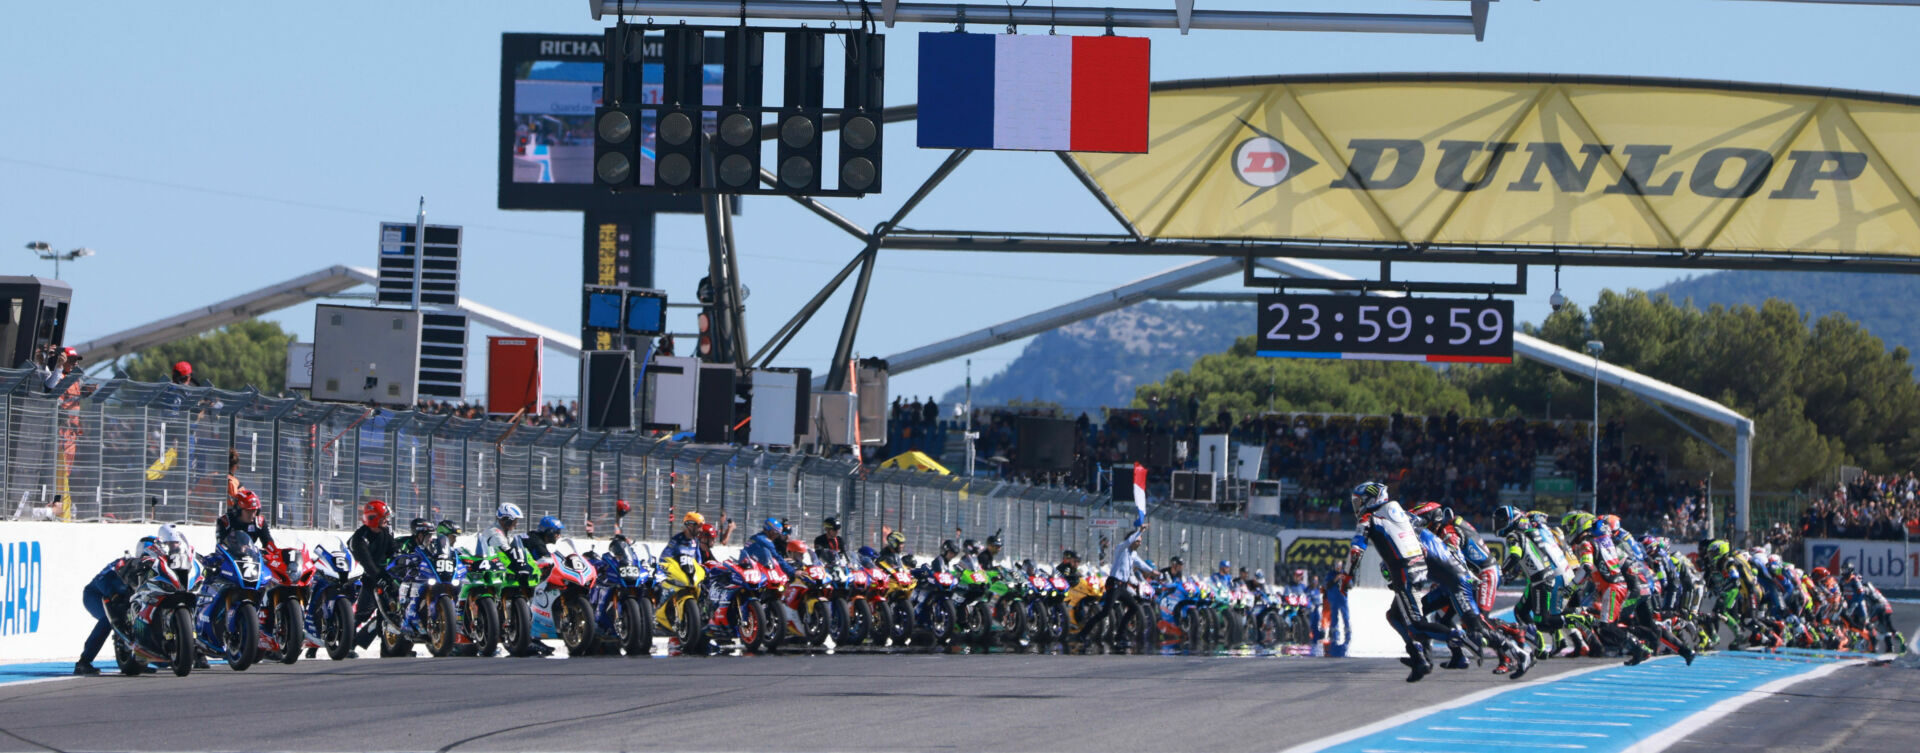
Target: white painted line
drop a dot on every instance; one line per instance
(1556, 709)
(1520, 732)
(1665, 738)
(17, 683)
(1577, 722)
(1410, 716)
(1561, 746)
(1588, 705)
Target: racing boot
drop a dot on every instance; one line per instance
(1640, 654)
(85, 669)
(1505, 665)
(1417, 661)
(1522, 662)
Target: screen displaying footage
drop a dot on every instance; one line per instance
(553, 104)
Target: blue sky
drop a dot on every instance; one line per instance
(211, 148)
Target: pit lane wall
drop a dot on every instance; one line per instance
(46, 564)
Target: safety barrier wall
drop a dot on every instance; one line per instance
(122, 451)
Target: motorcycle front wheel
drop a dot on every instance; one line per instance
(753, 628)
(516, 626)
(181, 642)
(440, 626)
(291, 630)
(902, 623)
(577, 628)
(860, 622)
(337, 633)
(636, 626)
(243, 642)
(941, 622)
(483, 619)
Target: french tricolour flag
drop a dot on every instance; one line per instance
(1052, 93)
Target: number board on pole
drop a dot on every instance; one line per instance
(439, 269)
(1368, 328)
(443, 356)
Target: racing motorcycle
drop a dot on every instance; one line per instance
(806, 606)
(899, 583)
(845, 626)
(622, 598)
(1045, 616)
(335, 586)
(681, 613)
(228, 622)
(1183, 607)
(423, 611)
(934, 617)
(561, 606)
(1082, 604)
(160, 628)
(867, 612)
(283, 622)
(745, 617)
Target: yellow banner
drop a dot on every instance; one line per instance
(1570, 163)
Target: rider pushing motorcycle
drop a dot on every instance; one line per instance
(1383, 523)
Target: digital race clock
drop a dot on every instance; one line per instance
(1372, 328)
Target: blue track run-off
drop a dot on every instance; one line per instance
(1601, 711)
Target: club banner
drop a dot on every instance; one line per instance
(1564, 162)
(1886, 564)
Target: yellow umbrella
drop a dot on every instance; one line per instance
(916, 460)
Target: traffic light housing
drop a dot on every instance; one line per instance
(860, 125)
(800, 131)
(736, 142)
(677, 136)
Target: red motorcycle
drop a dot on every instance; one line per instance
(745, 617)
(807, 605)
(283, 616)
(868, 613)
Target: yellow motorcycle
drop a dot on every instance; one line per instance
(1082, 603)
(682, 613)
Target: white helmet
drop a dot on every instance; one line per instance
(1368, 497)
(508, 511)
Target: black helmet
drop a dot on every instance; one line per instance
(994, 540)
(420, 525)
(1504, 518)
(831, 523)
(948, 547)
(448, 528)
(1069, 554)
(970, 546)
(1176, 562)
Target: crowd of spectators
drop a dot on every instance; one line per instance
(1868, 507)
(549, 414)
(1465, 463)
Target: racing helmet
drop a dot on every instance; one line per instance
(1612, 521)
(830, 524)
(1820, 573)
(772, 526)
(375, 514)
(1718, 550)
(994, 542)
(693, 518)
(447, 528)
(867, 552)
(1505, 517)
(1426, 512)
(550, 525)
(248, 501)
(707, 531)
(508, 513)
(1225, 565)
(420, 526)
(896, 539)
(796, 547)
(1577, 525)
(947, 547)
(1368, 497)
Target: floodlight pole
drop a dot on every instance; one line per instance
(950, 14)
(419, 250)
(1593, 502)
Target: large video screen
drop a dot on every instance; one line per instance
(550, 85)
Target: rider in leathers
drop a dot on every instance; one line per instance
(1384, 524)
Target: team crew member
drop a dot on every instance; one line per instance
(373, 545)
(105, 597)
(829, 538)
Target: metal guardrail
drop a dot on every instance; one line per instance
(125, 451)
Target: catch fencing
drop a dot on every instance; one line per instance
(122, 451)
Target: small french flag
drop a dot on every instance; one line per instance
(1049, 93)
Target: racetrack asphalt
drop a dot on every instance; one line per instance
(844, 702)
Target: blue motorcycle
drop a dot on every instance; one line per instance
(622, 599)
(228, 620)
(423, 611)
(336, 586)
(159, 628)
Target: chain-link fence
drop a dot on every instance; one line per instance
(131, 452)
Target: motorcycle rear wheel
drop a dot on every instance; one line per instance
(291, 629)
(516, 626)
(483, 620)
(902, 624)
(577, 628)
(337, 633)
(636, 626)
(182, 642)
(440, 629)
(243, 643)
(130, 664)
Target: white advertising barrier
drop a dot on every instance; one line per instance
(1885, 564)
(47, 565)
(1367, 603)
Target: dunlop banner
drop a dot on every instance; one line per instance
(1498, 161)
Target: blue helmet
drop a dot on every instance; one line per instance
(771, 526)
(867, 552)
(550, 524)
(1226, 565)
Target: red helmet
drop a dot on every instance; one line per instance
(248, 501)
(375, 514)
(621, 508)
(183, 369)
(707, 531)
(1820, 572)
(1613, 521)
(796, 547)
